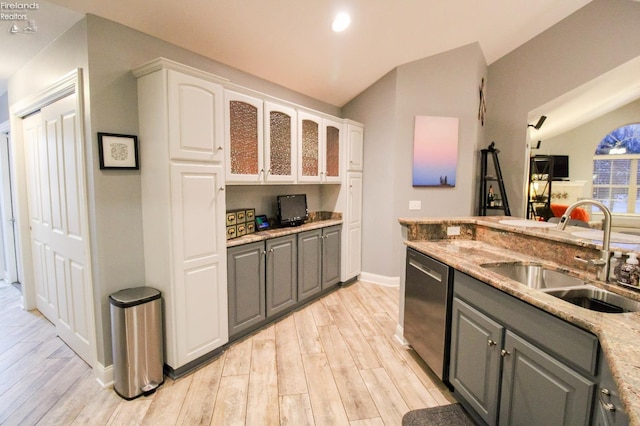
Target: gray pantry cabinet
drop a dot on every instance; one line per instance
(515, 364)
(318, 260)
(262, 281)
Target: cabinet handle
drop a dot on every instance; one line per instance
(222, 188)
(607, 405)
(491, 343)
(220, 148)
(504, 352)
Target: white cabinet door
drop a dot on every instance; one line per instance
(309, 147)
(281, 139)
(355, 147)
(354, 225)
(199, 253)
(330, 158)
(244, 138)
(195, 118)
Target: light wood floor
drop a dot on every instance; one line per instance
(335, 362)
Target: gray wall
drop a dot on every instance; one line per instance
(441, 85)
(107, 52)
(4, 107)
(597, 38)
(580, 143)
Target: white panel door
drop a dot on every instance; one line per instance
(199, 244)
(53, 148)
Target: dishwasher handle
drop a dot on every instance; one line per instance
(428, 271)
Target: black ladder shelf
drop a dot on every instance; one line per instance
(489, 199)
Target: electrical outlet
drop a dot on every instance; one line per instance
(452, 231)
(415, 205)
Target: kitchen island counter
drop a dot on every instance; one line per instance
(468, 243)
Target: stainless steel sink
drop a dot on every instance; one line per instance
(535, 276)
(596, 299)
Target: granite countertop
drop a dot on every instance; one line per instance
(483, 240)
(281, 232)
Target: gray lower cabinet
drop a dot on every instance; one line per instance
(309, 263)
(536, 386)
(608, 410)
(246, 286)
(282, 274)
(331, 239)
(476, 341)
(262, 281)
(318, 260)
(515, 364)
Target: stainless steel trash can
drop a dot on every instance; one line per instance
(136, 337)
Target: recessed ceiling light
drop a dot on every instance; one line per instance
(341, 22)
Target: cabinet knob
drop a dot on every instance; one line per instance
(491, 343)
(505, 352)
(270, 250)
(222, 188)
(220, 148)
(609, 406)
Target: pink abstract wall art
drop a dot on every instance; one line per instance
(435, 151)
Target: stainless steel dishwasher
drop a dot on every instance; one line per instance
(427, 316)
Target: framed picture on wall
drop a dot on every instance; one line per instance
(435, 151)
(118, 151)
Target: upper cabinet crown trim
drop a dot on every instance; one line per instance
(164, 63)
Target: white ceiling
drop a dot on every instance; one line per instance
(17, 49)
(290, 42)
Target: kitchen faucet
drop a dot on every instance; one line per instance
(602, 274)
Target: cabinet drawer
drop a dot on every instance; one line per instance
(571, 344)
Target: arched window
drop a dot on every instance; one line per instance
(616, 176)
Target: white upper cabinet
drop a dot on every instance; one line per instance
(330, 158)
(309, 147)
(195, 118)
(244, 138)
(280, 147)
(320, 141)
(355, 146)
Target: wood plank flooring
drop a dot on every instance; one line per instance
(334, 362)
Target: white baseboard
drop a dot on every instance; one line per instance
(104, 375)
(399, 336)
(380, 279)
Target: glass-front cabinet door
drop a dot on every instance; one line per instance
(309, 135)
(244, 138)
(280, 151)
(331, 149)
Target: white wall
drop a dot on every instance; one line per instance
(597, 38)
(580, 143)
